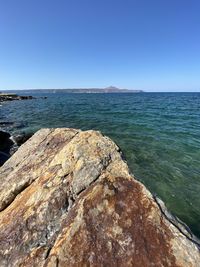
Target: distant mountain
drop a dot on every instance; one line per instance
(113, 89)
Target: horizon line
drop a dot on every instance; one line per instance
(90, 88)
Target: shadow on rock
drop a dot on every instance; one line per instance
(9, 144)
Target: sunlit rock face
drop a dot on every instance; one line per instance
(67, 199)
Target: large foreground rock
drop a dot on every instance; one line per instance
(67, 199)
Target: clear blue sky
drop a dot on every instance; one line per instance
(143, 44)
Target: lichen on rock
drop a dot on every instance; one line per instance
(67, 198)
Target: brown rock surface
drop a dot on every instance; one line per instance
(67, 199)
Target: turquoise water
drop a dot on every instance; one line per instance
(159, 134)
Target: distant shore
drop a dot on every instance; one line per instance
(109, 90)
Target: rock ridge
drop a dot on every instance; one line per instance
(67, 198)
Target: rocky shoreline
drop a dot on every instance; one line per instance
(67, 198)
(8, 143)
(12, 97)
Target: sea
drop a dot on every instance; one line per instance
(159, 134)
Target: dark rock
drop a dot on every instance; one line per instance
(5, 141)
(3, 157)
(9, 144)
(5, 146)
(21, 138)
(25, 97)
(11, 97)
(4, 136)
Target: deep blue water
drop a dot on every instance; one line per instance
(159, 134)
